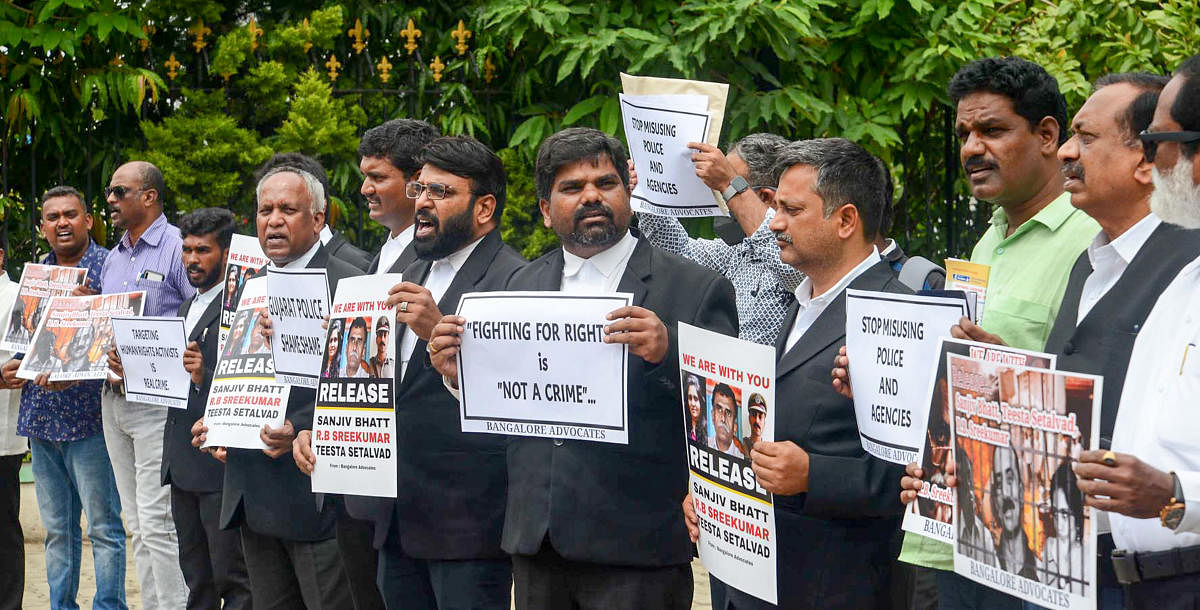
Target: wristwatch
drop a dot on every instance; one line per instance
(1172, 513)
(735, 188)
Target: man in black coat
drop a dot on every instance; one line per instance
(593, 524)
(836, 510)
(440, 539)
(289, 544)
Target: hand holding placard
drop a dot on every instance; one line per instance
(415, 307)
(443, 347)
(641, 330)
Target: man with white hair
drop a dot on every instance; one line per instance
(291, 551)
(1149, 479)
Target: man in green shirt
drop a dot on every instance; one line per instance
(1010, 121)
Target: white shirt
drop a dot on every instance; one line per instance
(1109, 260)
(10, 400)
(600, 273)
(326, 234)
(441, 275)
(200, 304)
(1159, 418)
(811, 307)
(393, 247)
(302, 262)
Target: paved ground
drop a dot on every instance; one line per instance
(37, 595)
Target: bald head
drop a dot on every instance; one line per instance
(134, 196)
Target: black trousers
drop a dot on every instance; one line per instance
(12, 539)
(287, 575)
(1176, 593)
(358, 556)
(551, 582)
(408, 583)
(211, 558)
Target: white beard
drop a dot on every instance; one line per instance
(1176, 199)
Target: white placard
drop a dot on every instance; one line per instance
(354, 425)
(1024, 528)
(658, 135)
(75, 334)
(151, 350)
(535, 364)
(244, 396)
(932, 513)
(892, 343)
(38, 284)
(728, 387)
(297, 301)
(246, 259)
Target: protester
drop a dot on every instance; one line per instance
(71, 467)
(1009, 119)
(210, 558)
(291, 552)
(13, 448)
(147, 257)
(333, 241)
(388, 163)
(1145, 481)
(574, 543)
(745, 175)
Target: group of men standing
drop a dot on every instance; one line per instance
(1087, 259)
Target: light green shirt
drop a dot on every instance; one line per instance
(1029, 273)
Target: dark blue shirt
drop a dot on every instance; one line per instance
(72, 414)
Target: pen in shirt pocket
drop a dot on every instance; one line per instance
(1185, 355)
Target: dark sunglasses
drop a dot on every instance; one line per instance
(1150, 140)
(436, 190)
(119, 191)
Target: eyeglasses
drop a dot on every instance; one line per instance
(1150, 140)
(435, 190)
(119, 191)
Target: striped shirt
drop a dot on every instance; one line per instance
(153, 264)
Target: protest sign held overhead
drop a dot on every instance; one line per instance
(892, 342)
(728, 406)
(932, 514)
(38, 284)
(521, 366)
(244, 396)
(1021, 525)
(354, 427)
(297, 301)
(75, 334)
(151, 351)
(661, 116)
(246, 258)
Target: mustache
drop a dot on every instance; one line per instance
(783, 237)
(1073, 169)
(195, 269)
(426, 215)
(592, 207)
(978, 162)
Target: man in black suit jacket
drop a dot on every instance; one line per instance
(289, 544)
(596, 524)
(388, 162)
(836, 510)
(440, 539)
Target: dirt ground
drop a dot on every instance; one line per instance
(37, 594)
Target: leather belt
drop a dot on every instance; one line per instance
(1138, 567)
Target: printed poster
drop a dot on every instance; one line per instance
(246, 259)
(521, 366)
(1021, 524)
(244, 396)
(728, 406)
(38, 284)
(151, 350)
(72, 341)
(971, 278)
(932, 514)
(892, 343)
(298, 301)
(354, 426)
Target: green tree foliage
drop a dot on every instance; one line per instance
(88, 84)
